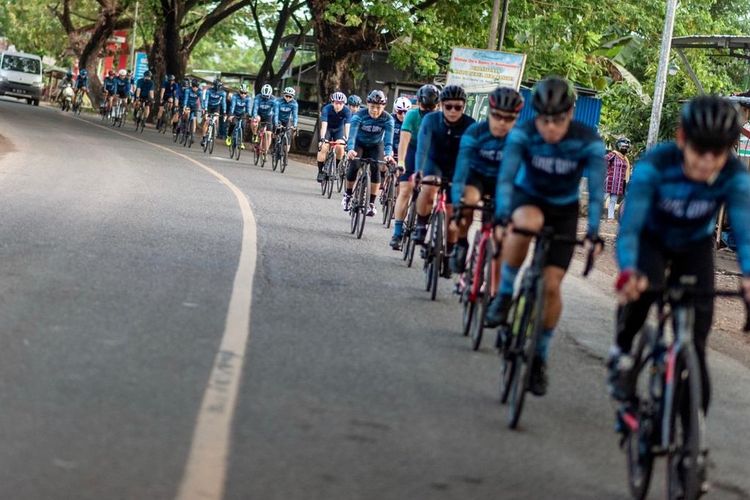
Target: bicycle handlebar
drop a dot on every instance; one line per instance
(678, 293)
(589, 266)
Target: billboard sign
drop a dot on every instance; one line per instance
(478, 70)
(141, 65)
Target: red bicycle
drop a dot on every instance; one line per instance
(478, 282)
(434, 251)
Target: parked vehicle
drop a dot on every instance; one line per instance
(21, 76)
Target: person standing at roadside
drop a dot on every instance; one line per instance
(618, 171)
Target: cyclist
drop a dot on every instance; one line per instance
(131, 85)
(400, 108)
(427, 100)
(169, 94)
(263, 110)
(214, 101)
(191, 102)
(437, 149)
(122, 87)
(479, 159)
(673, 200)
(543, 162)
(354, 103)
(110, 89)
(241, 105)
(82, 84)
(335, 119)
(67, 81)
(286, 111)
(371, 137)
(144, 94)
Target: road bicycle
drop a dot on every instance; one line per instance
(360, 201)
(140, 120)
(238, 134)
(475, 285)
(434, 251)
(407, 244)
(280, 154)
(521, 335)
(330, 170)
(388, 191)
(210, 139)
(663, 415)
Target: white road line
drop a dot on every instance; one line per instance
(205, 473)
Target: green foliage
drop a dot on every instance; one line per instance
(30, 26)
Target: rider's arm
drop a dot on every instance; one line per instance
(323, 122)
(233, 104)
(388, 137)
(255, 106)
(597, 173)
(161, 94)
(738, 208)
(467, 150)
(276, 105)
(640, 198)
(347, 127)
(423, 144)
(224, 103)
(403, 146)
(509, 165)
(295, 110)
(356, 120)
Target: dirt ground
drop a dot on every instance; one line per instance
(729, 315)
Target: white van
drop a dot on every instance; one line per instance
(21, 76)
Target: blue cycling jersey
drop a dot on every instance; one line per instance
(171, 90)
(145, 85)
(240, 106)
(82, 82)
(336, 121)
(110, 85)
(191, 99)
(667, 206)
(480, 152)
(396, 134)
(285, 111)
(215, 98)
(437, 147)
(264, 107)
(122, 85)
(368, 131)
(552, 172)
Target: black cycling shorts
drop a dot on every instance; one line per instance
(563, 219)
(409, 161)
(372, 151)
(166, 100)
(146, 100)
(487, 186)
(124, 94)
(335, 135)
(213, 109)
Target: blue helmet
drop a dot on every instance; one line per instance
(354, 100)
(84, 72)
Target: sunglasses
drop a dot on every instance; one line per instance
(287, 96)
(554, 119)
(509, 118)
(400, 112)
(453, 107)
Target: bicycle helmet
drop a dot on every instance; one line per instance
(402, 104)
(710, 123)
(377, 97)
(553, 96)
(147, 74)
(243, 89)
(122, 72)
(354, 100)
(428, 95)
(338, 97)
(506, 99)
(69, 74)
(217, 84)
(453, 93)
(84, 72)
(266, 90)
(290, 91)
(193, 82)
(170, 78)
(110, 73)
(623, 144)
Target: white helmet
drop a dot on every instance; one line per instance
(402, 104)
(289, 91)
(338, 97)
(266, 90)
(122, 72)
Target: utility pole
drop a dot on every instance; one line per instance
(503, 23)
(132, 43)
(492, 43)
(661, 75)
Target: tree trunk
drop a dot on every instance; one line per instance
(103, 29)
(174, 61)
(156, 56)
(334, 72)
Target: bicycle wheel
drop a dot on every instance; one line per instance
(256, 154)
(275, 156)
(484, 265)
(211, 142)
(438, 251)
(237, 151)
(263, 159)
(529, 337)
(469, 306)
(329, 180)
(384, 198)
(340, 173)
(353, 210)
(511, 355)
(327, 177)
(364, 195)
(685, 460)
(391, 206)
(285, 155)
(176, 134)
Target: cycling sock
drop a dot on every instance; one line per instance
(349, 192)
(508, 279)
(398, 228)
(320, 166)
(372, 198)
(542, 346)
(422, 219)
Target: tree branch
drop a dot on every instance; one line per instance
(254, 10)
(222, 11)
(424, 4)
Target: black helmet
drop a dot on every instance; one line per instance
(428, 95)
(506, 99)
(453, 93)
(623, 143)
(377, 97)
(193, 82)
(553, 96)
(354, 100)
(147, 74)
(217, 84)
(710, 123)
(170, 77)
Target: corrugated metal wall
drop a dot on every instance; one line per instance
(588, 109)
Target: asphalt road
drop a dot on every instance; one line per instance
(117, 261)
